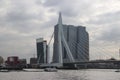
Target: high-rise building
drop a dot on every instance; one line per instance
(41, 51)
(77, 40)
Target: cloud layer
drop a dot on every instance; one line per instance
(21, 22)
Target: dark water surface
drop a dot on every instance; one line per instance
(90, 74)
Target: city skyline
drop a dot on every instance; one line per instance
(21, 22)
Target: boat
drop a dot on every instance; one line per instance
(118, 70)
(4, 70)
(50, 69)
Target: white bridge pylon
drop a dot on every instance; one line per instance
(62, 41)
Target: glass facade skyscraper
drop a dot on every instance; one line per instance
(41, 50)
(78, 41)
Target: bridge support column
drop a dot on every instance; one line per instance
(61, 39)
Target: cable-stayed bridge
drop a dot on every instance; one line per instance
(65, 54)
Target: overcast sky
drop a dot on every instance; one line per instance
(22, 21)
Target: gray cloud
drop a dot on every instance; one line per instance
(108, 18)
(111, 34)
(69, 8)
(19, 28)
(21, 22)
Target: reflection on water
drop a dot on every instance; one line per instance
(91, 74)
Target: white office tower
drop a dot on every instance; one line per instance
(75, 45)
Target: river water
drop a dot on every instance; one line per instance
(89, 74)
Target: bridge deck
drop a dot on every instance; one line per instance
(110, 61)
